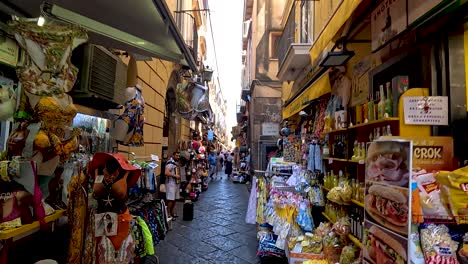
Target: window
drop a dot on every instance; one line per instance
(274, 44)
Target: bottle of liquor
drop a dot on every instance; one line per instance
(355, 151)
(326, 148)
(381, 104)
(389, 101)
(389, 131)
(362, 151)
(370, 108)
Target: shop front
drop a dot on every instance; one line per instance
(79, 111)
(373, 165)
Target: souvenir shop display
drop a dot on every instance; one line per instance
(59, 162)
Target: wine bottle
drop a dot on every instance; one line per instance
(370, 108)
(389, 101)
(381, 104)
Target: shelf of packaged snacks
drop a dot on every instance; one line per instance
(358, 203)
(328, 218)
(385, 120)
(355, 240)
(10, 233)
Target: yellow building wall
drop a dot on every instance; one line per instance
(323, 11)
(153, 76)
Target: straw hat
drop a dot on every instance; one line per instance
(100, 159)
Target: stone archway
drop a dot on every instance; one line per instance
(170, 126)
(171, 132)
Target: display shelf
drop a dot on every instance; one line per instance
(442, 219)
(362, 162)
(336, 159)
(328, 218)
(385, 120)
(358, 203)
(10, 233)
(336, 131)
(355, 240)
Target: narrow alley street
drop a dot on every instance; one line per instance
(218, 232)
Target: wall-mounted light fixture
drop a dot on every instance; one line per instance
(337, 58)
(207, 74)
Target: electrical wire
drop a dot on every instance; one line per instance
(214, 45)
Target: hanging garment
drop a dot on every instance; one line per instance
(47, 68)
(250, 216)
(134, 117)
(123, 229)
(107, 254)
(89, 247)
(318, 158)
(147, 237)
(311, 158)
(137, 233)
(76, 212)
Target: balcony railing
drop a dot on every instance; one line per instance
(287, 37)
(188, 29)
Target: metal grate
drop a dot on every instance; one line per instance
(102, 74)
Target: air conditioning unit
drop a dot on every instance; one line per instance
(102, 78)
(245, 29)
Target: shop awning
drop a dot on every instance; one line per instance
(339, 18)
(314, 91)
(143, 27)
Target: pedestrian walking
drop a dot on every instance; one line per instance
(229, 160)
(172, 182)
(212, 164)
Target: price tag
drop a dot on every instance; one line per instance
(361, 161)
(330, 161)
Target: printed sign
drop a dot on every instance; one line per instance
(431, 153)
(165, 141)
(418, 8)
(426, 110)
(270, 129)
(387, 21)
(9, 51)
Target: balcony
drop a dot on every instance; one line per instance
(294, 56)
(188, 29)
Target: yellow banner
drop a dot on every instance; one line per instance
(314, 91)
(342, 14)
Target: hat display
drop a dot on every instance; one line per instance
(100, 159)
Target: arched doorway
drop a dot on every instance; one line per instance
(169, 127)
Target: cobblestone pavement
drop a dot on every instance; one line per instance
(218, 232)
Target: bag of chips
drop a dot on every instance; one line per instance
(454, 189)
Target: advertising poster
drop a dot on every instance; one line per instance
(382, 247)
(387, 201)
(387, 21)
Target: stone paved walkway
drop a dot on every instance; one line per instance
(218, 232)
